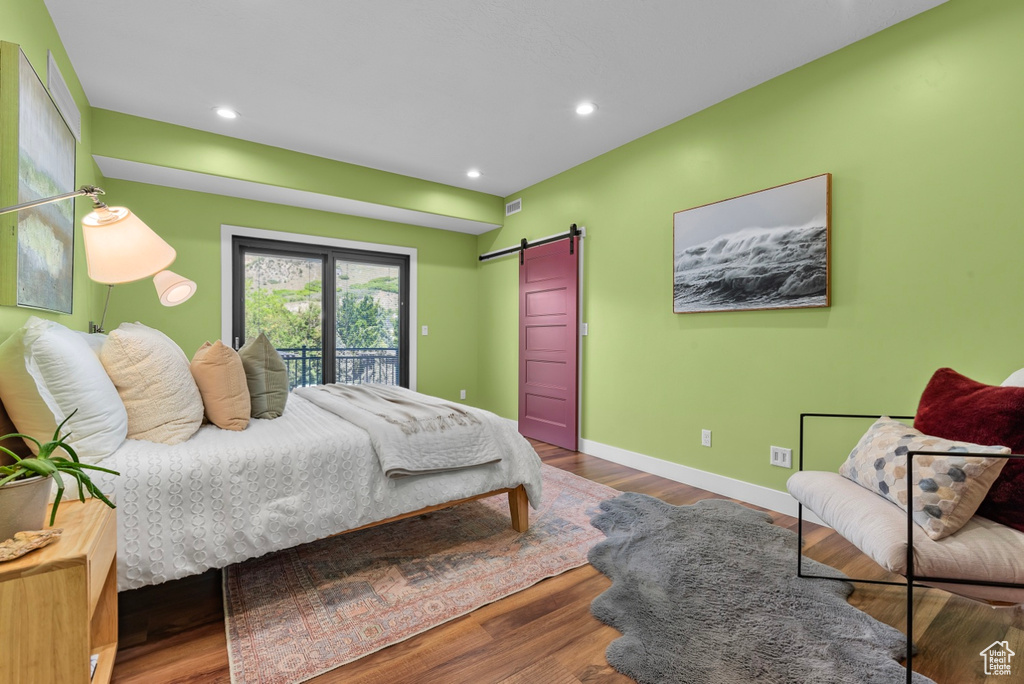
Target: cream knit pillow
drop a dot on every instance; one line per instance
(152, 375)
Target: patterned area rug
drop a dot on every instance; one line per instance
(300, 612)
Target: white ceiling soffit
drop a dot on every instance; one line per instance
(431, 89)
(232, 187)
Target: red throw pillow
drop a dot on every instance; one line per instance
(956, 407)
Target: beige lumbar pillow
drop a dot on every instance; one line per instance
(266, 376)
(152, 376)
(220, 376)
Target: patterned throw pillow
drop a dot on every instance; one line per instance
(947, 489)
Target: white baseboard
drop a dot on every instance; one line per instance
(757, 495)
(765, 497)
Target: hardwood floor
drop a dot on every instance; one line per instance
(545, 634)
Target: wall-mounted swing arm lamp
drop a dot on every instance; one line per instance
(120, 248)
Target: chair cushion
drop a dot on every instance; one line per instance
(947, 488)
(980, 550)
(956, 407)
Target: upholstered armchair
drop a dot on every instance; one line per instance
(981, 559)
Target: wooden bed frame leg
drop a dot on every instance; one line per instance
(519, 507)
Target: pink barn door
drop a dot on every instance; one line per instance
(548, 343)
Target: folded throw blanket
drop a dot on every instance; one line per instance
(412, 433)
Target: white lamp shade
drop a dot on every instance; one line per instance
(120, 248)
(173, 289)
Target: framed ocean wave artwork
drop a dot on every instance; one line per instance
(37, 159)
(768, 249)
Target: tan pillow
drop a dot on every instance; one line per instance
(217, 370)
(947, 489)
(266, 376)
(152, 376)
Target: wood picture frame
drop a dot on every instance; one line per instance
(769, 249)
(37, 159)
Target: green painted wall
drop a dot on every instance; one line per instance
(27, 23)
(920, 126)
(447, 300)
(153, 142)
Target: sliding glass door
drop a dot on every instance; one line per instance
(368, 323)
(282, 296)
(334, 315)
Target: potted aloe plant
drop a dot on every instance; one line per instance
(25, 483)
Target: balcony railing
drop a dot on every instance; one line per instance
(352, 365)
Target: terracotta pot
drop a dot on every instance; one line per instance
(23, 505)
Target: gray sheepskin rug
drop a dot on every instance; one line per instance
(708, 594)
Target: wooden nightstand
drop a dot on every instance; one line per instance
(58, 605)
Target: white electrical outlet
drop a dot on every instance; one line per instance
(424, 330)
(781, 457)
(462, 394)
(705, 438)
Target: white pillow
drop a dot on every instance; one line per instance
(48, 372)
(152, 376)
(94, 340)
(1016, 379)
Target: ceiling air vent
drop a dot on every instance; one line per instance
(514, 207)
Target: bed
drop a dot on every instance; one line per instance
(223, 497)
(218, 496)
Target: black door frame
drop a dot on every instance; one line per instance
(328, 256)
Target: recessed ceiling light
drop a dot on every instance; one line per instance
(473, 173)
(586, 108)
(226, 112)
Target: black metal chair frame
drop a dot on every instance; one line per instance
(912, 579)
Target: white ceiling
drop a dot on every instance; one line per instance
(431, 89)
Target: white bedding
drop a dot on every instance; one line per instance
(223, 497)
(411, 433)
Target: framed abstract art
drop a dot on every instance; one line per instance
(37, 159)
